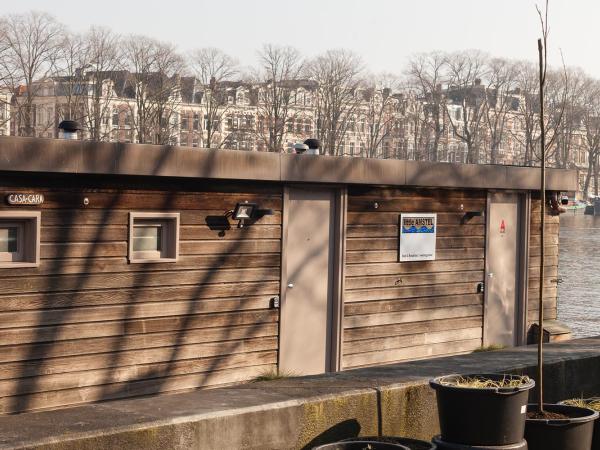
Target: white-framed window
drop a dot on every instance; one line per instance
(19, 239)
(153, 237)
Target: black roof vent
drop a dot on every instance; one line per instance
(313, 143)
(69, 126)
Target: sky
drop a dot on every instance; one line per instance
(383, 32)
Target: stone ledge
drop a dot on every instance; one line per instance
(293, 413)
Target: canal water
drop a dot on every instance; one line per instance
(579, 269)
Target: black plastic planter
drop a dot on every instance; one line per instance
(361, 445)
(441, 445)
(574, 433)
(481, 416)
(596, 438)
(411, 444)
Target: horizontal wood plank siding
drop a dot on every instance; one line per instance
(550, 263)
(88, 326)
(402, 311)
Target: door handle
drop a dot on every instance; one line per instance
(290, 285)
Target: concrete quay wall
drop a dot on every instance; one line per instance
(295, 413)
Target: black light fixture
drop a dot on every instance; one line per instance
(469, 215)
(243, 212)
(249, 211)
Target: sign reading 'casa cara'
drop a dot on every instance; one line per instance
(25, 198)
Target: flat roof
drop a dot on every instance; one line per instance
(38, 155)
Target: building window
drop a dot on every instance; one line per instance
(19, 239)
(153, 237)
(196, 121)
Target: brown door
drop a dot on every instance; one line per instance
(306, 304)
(502, 282)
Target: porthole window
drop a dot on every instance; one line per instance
(153, 237)
(19, 239)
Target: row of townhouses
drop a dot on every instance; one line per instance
(467, 126)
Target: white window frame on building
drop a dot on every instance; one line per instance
(25, 226)
(164, 245)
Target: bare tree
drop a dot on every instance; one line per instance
(212, 67)
(69, 83)
(569, 127)
(466, 90)
(379, 110)
(501, 102)
(31, 43)
(529, 111)
(154, 67)
(426, 75)
(414, 132)
(6, 76)
(590, 108)
(140, 56)
(103, 78)
(337, 74)
(166, 94)
(278, 74)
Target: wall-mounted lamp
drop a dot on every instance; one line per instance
(249, 212)
(244, 211)
(375, 205)
(469, 215)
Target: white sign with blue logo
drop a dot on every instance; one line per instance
(417, 237)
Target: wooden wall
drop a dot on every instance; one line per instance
(551, 264)
(412, 310)
(87, 326)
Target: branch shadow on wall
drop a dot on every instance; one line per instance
(217, 333)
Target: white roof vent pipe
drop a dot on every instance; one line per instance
(300, 148)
